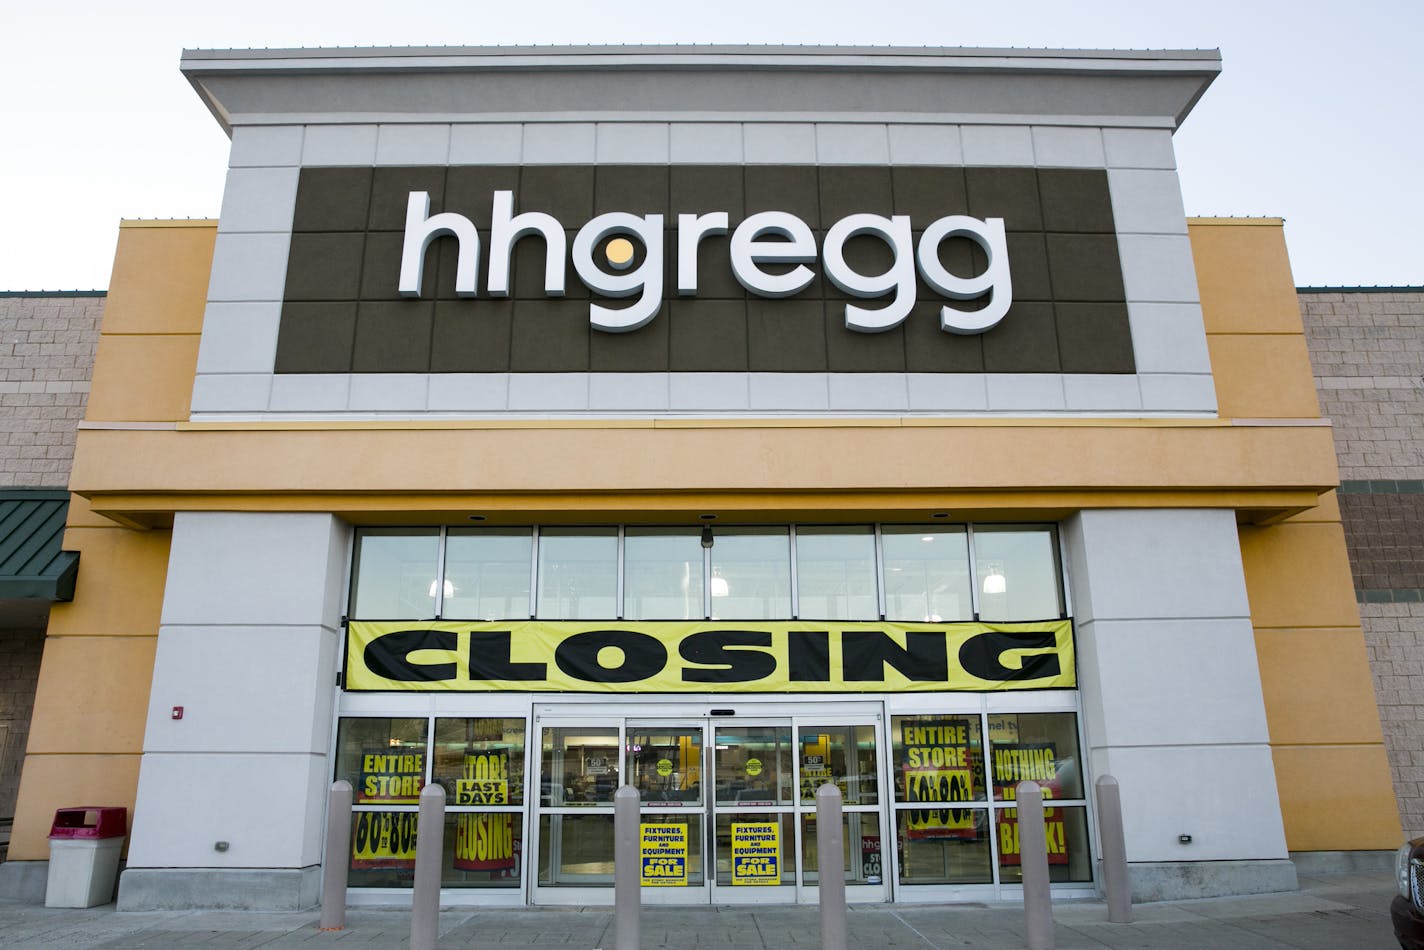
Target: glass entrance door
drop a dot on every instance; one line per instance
(667, 761)
(754, 811)
(728, 806)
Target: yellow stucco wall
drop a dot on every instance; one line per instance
(1331, 771)
(91, 701)
(93, 693)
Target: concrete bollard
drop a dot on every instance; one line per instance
(830, 847)
(1116, 888)
(337, 862)
(627, 877)
(429, 848)
(1033, 861)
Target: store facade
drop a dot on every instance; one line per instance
(722, 422)
(724, 719)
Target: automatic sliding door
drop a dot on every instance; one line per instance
(578, 776)
(728, 807)
(754, 770)
(845, 756)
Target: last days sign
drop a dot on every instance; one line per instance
(708, 656)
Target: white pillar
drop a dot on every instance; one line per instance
(1172, 701)
(248, 648)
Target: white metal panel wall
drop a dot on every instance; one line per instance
(1171, 688)
(248, 647)
(235, 378)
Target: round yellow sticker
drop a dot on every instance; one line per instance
(753, 766)
(664, 767)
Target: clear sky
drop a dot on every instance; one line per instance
(1316, 116)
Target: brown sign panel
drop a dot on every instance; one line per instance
(341, 312)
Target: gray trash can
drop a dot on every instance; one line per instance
(84, 846)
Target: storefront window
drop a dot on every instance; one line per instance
(835, 573)
(383, 848)
(1066, 835)
(487, 573)
(926, 573)
(480, 761)
(1017, 573)
(958, 854)
(1037, 747)
(396, 573)
(922, 573)
(662, 574)
(482, 849)
(383, 759)
(843, 756)
(751, 574)
(578, 573)
(938, 760)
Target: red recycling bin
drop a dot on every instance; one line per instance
(89, 822)
(84, 846)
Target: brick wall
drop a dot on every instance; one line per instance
(47, 344)
(47, 347)
(1368, 352)
(19, 671)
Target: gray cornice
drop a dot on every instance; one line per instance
(1138, 87)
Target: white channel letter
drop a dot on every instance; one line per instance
(900, 277)
(646, 279)
(691, 229)
(420, 229)
(506, 227)
(989, 235)
(798, 246)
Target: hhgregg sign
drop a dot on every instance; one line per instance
(680, 269)
(770, 254)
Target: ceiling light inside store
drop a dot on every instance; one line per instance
(994, 581)
(720, 587)
(449, 588)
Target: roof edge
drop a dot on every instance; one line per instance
(690, 51)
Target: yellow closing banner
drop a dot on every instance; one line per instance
(797, 656)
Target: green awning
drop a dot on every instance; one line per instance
(32, 566)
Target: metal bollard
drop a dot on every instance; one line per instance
(830, 848)
(429, 848)
(1115, 885)
(337, 863)
(627, 879)
(1033, 861)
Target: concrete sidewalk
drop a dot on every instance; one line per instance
(1334, 912)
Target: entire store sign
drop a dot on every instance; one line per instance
(387, 839)
(708, 656)
(775, 238)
